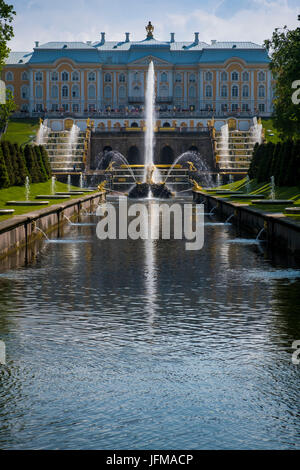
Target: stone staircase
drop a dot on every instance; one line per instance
(63, 156)
(234, 151)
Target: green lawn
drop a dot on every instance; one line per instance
(271, 134)
(17, 193)
(21, 131)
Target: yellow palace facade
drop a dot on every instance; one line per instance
(107, 79)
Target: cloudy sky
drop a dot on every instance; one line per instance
(68, 20)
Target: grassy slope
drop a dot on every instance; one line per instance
(21, 131)
(17, 193)
(269, 130)
(284, 192)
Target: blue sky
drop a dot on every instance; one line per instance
(48, 20)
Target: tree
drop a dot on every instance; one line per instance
(6, 30)
(8, 162)
(284, 48)
(31, 164)
(7, 109)
(22, 170)
(45, 158)
(39, 158)
(4, 180)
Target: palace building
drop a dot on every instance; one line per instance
(108, 78)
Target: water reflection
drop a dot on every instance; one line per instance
(141, 344)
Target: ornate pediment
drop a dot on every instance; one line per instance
(146, 61)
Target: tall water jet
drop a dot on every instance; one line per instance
(42, 134)
(53, 181)
(224, 151)
(27, 189)
(81, 181)
(69, 183)
(273, 191)
(256, 132)
(73, 137)
(150, 121)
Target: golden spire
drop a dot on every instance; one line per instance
(150, 29)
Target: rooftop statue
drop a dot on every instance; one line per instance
(150, 29)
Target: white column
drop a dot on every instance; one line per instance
(252, 91)
(217, 90)
(115, 89)
(31, 91)
(47, 90)
(185, 85)
(99, 88)
(200, 89)
(171, 82)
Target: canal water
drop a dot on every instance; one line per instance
(144, 345)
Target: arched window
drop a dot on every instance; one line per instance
(65, 91)
(235, 91)
(164, 91)
(234, 76)
(208, 76)
(224, 76)
(24, 76)
(75, 76)
(54, 76)
(208, 91)
(39, 76)
(122, 92)
(24, 92)
(75, 91)
(136, 91)
(164, 77)
(122, 78)
(192, 78)
(65, 76)
(245, 91)
(91, 77)
(192, 92)
(178, 92)
(39, 92)
(178, 78)
(54, 91)
(261, 91)
(245, 76)
(224, 91)
(10, 88)
(107, 92)
(261, 76)
(107, 77)
(91, 92)
(136, 76)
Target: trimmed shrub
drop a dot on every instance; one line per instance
(4, 179)
(39, 159)
(46, 161)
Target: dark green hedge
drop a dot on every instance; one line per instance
(281, 160)
(16, 163)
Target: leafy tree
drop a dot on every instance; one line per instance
(4, 179)
(284, 49)
(6, 30)
(7, 108)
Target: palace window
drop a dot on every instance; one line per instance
(107, 92)
(92, 108)
(208, 76)
(122, 78)
(65, 107)
(261, 76)
(92, 77)
(107, 77)
(235, 91)
(65, 91)
(24, 107)
(224, 107)
(224, 76)
(245, 107)
(192, 92)
(224, 91)
(245, 76)
(39, 108)
(122, 92)
(54, 107)
(54, 76)
(39, 76)
(164, 91)
(234, 76)
(65, 76)
(261, 107)
(234, 107)
(24, 92)
(208, 91)
(164, 77)
(39, 92)
(91, 92)
(136, 76)
(54, 91)
(24, 76)
(75, 91)
(75, 108)
(245, 92)
(192, 78)
(261, 91)
(178, 92)
(178, 78)
(75, 76)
